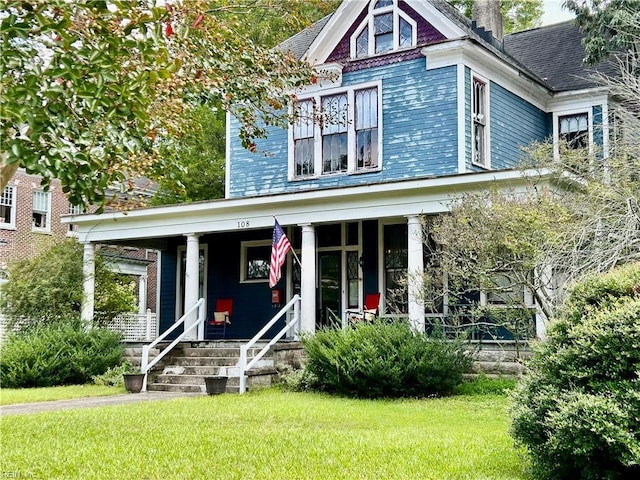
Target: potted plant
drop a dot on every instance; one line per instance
(133, 381)
(216, 385)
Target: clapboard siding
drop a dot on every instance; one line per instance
(418, 138)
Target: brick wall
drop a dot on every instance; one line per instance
(21, 240)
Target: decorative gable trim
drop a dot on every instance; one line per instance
(351, 12)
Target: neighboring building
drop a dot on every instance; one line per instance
(30, 223)
(418, 105)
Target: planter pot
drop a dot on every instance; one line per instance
(216, 385)
(133, 382)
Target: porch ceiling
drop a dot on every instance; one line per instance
(381, 200)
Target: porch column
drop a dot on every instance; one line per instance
(308, 280)
(88, 282)
(415, 272)
(191, 282)
(142, 294)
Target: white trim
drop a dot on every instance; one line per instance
(564, 113)
(227, 149)
(391, 199)
(243, 260)
(180, 253)
(487, 122)
(351, 137)
(47, 226)
(462, 115)
(11, 223)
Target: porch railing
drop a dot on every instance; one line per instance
(147, 365)
(135, 327)
(244, 349)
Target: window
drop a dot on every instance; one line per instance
(385, 29)
(256, 258)
(41, 211)
(74, 210)
(8, 206)
(479, 123)
(303, 139)
(347, 138)
(396, 261)
(573, 130)
(334, 133)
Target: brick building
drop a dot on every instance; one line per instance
(30, 223)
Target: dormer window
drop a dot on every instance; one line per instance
(385, 29)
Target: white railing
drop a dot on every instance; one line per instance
(244, 349)
(135, 327)
(147, 365)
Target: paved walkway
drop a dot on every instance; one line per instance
(26, 408)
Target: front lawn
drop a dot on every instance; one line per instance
(11, 396)
(268, 434)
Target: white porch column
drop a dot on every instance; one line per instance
(192, 282)
(142, 294)
(415, 272)
(308, 280)
(88, 282)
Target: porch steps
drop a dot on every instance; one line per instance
(185, 368)
(495, 360)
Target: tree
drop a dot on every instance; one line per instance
(517, 15)
(89, 87)
(609, 26)
(200, 156)
(48, 287)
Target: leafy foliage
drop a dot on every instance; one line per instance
(578, 409)
(88, 87)
(384, 359)
(517, 15)
(61, 353)
(48, 287)
(113, 376)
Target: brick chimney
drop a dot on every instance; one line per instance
(486, 14)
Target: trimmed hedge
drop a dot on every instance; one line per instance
(578, 410)
(383, 359)
(60, 353)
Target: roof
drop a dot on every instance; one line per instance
(554, 53)
(551, 55)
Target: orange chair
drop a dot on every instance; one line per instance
(217, 326)
(370, 311)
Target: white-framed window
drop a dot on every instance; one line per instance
(573, 130)
(479, 122)
(41, 213)
(74, 210)
(385, 29)
(255, 259)
(8, 207)
(337, 132)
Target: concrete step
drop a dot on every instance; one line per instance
(213, 352)
(169, 387)
(504, 368)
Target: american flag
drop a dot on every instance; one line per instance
(279, 249)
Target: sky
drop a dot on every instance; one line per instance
(553, 12)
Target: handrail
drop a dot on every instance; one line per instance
(244, 366)
(146, 365)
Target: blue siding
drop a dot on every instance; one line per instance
(419, 134)
(167, 287)
(515, 124)
(467, 120)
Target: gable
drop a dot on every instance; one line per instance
(426, 34)
(333, 39)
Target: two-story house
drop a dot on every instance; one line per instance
(414, 104)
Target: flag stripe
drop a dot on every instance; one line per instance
(279, 249)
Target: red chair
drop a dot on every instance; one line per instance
(217, 326)
(370, 310)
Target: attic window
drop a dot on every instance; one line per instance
(386, 28)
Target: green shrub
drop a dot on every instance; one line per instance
(384, 359)
(61, 353)
(578, 409)
(113, 376)
(482, 385)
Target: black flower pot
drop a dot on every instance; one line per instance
(216, 385)
(133, 382)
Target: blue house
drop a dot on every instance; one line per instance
(414, 104)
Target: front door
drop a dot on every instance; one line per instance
(330, 292)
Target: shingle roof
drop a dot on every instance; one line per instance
(300, 42)
(554, 53)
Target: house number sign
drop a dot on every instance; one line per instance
(243, 223)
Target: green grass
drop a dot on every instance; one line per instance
(10, 396)
(268, 434)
